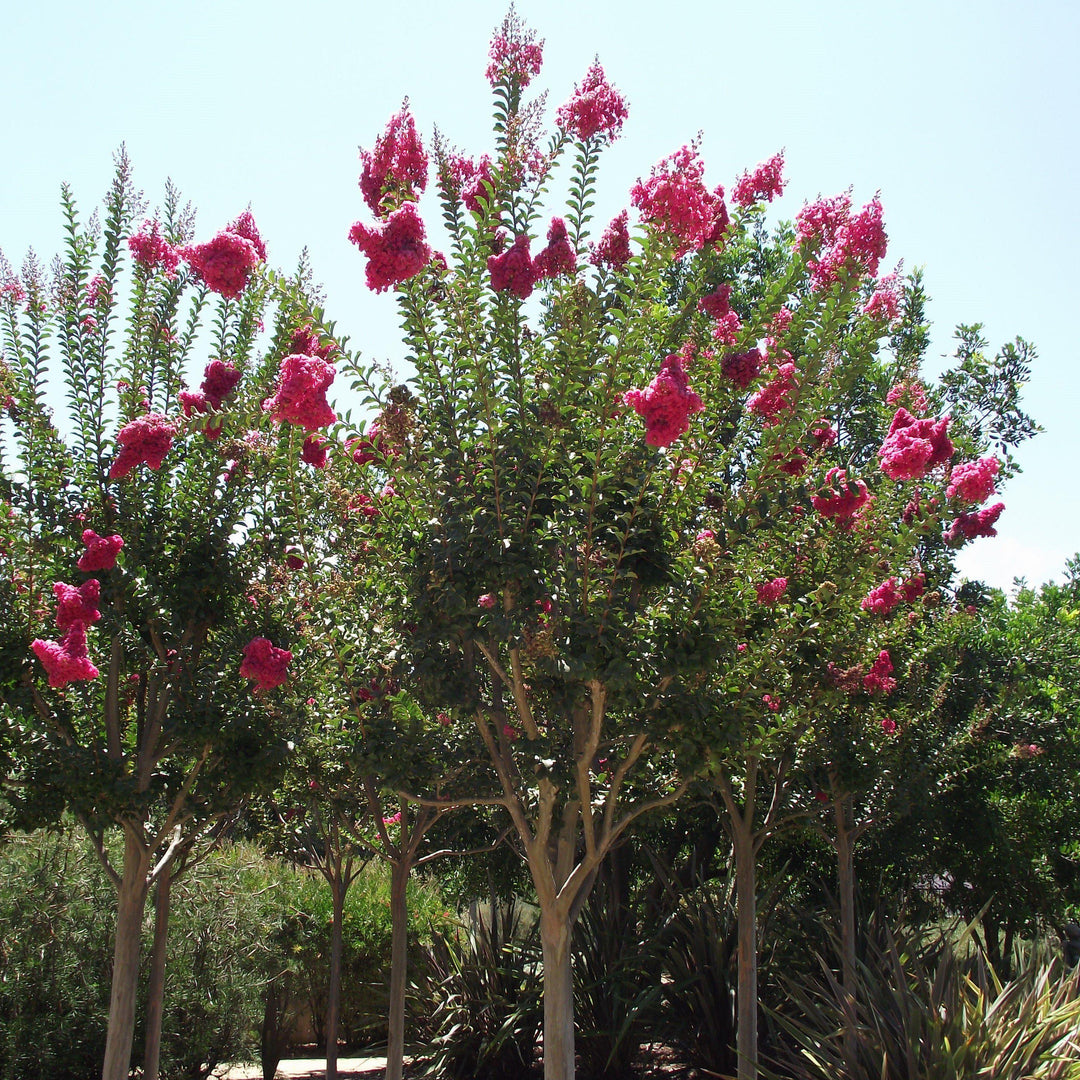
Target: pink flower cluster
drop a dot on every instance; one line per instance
(516, 272)
(513, 271)
(877, 680)
(397, 167)
(914, 391)
(765, 182)
(305, 342)
(314, 451)
(717, 303)
(676, 202)
(68, 660)
(146, 440)
(396, 250)
(974, 525)
(226, 262)
(742, 368)
(666, 404)
(840, 499)
(558, 257)
(769, 592)
(468, 180)
(884, 598)
(100, 553)
(514, 54)
(884, 302)
(774, 397)
(486, 600)
(849, 240)
(301, 392)
(914, 447)
(613, 248)
(824, 434)
(264, 663)
(596, 108)
(77, 604)
(973, 481)
(150, 249)
(219, 380)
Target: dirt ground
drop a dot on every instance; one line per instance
(310, 1069)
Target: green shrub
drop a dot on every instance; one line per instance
(926, 1009)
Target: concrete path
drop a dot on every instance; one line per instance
(305, 1069)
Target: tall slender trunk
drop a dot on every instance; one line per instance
(333, 994)
(746, 914)
(845, 876)
(155, 995)
(399, 960)
(131, 903)
(555, 932)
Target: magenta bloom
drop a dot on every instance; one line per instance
(888, 726)
(397, 166)
(77, 604)
(613, 249)
(884, 303)
(66, 661)
(860, 243)
(558, 257)
(150, 249)
(486, 600)
(769, 592)
(716, 303)
(224, 263)
(219, 380)
(883, 598)
(824, 434)
(971, 526)
(305, 342)
(914, 391)
(819, 222)
(301, 393)
(596, 108)
(913, 447)
(244, 226)
(264, 663)
(666, 404)
(514, 53)
(765, 182)
(742, 368)
(395, 250)
(973, 481)
(913, 588)
(100, 553)
(774, 397)
(144, 441)
(314, 451)
(841, 499)
(514, 270)
(877, 680)
(676, 202)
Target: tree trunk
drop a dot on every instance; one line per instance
(845, 867)
(155, 996)
(131, 903)
(555, 931)
(746, 912)
(333, 994)
(399, 960)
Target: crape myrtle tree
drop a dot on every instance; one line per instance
(142, 660)
(615, 578)
(366, 740)
(840, 576)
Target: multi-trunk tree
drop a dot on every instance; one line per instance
(141, 574)
(639, 483)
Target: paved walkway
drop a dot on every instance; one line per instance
(305, 1069)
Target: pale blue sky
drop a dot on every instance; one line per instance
(964, 115)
